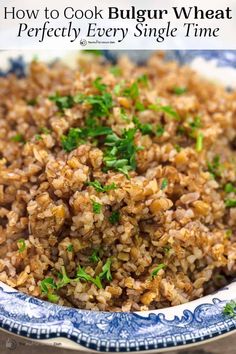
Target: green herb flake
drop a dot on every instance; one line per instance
(229, 188)
(47, 285)
(53, 298)
(95, 52)
(178, 90)
(181, 130)
(196, 123)
(94, 258)
(230, 203)
(21, 245)
(177, 147)
(81, 274)
(106, 271)
(62, 102)
(100, 104)
(228, 233)
(99, 85)
(38, 137)
(116, 71)
(139, 106)
(144, 128)
(99, 188)
(160, 130)
(45, 130)
(70, 248)
(143, 79)
(97, 207)
(132, 91)
(157, 270)
(164, 183)
(219, 277)
(214, 167)
(117, 89)
(114, 218)
(18, 138)
(63, 278)
(199, 142)
(229, 309)
(124, 115)
(32, 102)
(72, 140)
(121, 152)
(77, 136)
(168, 110)
(166, 249)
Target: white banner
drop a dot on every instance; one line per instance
(102, 24)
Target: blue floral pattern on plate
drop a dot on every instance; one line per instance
(104, 331)
(190, 323)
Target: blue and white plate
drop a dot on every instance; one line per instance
(180, 326)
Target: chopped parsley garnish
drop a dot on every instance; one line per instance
(38, 137)
(117, 89)
(70, 248)
(99, 188)
(99, 85)
(45, 130)
(230, 203)
(228, 233)
(63, 278)
(97, 207)
(62, 102)
(178, 90)
(214, 166)
(106, 271)
(47, 285)
(32, 102)
(18, 138)
(53, 297)
(121, 151)
(229, 188)
(177, 147)
(124, 115)
(180, 130)
(160, 130)
(157, 270)
(143, 79)
(114, 218)
(132, 91)
(95, 52)
(196, 123)
(229, 309)
(139, 106)
(72, 139)
(164, 183)
(166, 249)
(81, 274)
(101, 104)
(21, 245)
(199, 142)
(145, 128)
(115, 70)
(94, 258)
(169, 110)
(78, 136)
